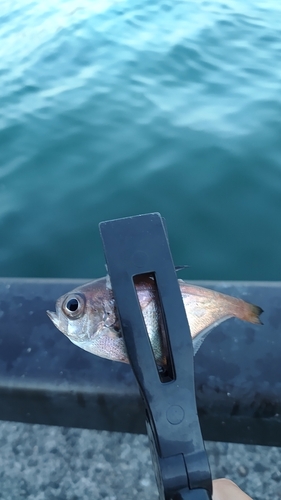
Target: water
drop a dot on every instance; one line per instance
(115, 108)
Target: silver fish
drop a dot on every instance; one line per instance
(87, 316)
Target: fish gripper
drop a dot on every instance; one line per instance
(136, 246)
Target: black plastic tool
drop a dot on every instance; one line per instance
(136, 246)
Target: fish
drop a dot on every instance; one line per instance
(88, 316)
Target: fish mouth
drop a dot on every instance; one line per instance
(54, 318)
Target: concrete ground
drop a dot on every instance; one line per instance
(52, 463)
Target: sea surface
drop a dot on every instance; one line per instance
(114, 108)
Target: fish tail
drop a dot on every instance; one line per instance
(252, 313)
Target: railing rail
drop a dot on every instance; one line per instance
(45, 379)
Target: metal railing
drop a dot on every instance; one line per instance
(45, 379)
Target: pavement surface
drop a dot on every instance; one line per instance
(53, 463)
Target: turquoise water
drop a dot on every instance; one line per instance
(114, 108)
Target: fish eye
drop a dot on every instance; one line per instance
(73, 306)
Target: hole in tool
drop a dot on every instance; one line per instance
(155, 322)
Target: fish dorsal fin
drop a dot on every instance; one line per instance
(108, 282)
(180, 268)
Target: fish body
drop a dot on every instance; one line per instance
(88, 316)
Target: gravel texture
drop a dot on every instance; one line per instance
(50, 463)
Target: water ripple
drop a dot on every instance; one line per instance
(113, 108)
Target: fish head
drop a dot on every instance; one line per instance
(87, 316)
